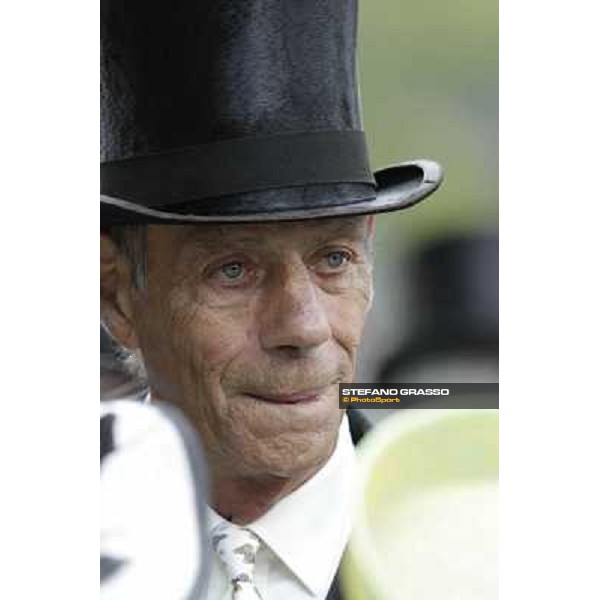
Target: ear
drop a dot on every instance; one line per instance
(116, 292)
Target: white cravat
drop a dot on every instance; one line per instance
(236, 547)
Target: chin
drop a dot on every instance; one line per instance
(295, 454)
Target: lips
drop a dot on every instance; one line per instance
(302, 397)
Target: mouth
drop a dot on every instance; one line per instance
(301, 397)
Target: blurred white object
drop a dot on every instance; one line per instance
(153, 542)
(427, 521)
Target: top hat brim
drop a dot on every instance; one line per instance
(397, 187)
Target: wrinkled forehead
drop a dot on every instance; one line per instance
(217, 237)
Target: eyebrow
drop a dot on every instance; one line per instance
(209, 239)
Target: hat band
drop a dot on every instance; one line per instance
(239, 165)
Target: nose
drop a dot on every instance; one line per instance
(294, 315)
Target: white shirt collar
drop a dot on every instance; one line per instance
(308, 529)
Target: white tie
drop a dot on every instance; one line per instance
(237, 548)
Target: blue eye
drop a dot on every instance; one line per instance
(336, 259)
(232, 271)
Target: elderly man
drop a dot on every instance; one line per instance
(236, 258)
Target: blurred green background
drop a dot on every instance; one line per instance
(429, 87)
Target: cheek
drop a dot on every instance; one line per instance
(348, 310)
(171, 334)
(209, 338)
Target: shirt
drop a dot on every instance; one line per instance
(303, 536)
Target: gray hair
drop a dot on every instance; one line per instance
(131, 241)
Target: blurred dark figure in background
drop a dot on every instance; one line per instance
(454, 337)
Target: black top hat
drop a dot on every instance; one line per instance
(238, 110)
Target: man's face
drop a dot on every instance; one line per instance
(248, 328)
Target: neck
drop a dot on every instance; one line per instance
(242, 500)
